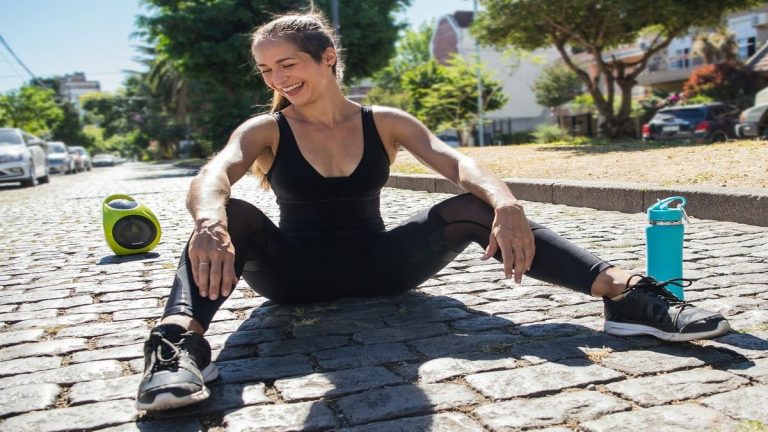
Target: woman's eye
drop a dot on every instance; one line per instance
(289, 66)
(265, 71)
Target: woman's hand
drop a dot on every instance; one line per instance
(512, 234)
(213, 260)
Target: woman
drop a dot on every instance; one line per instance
(327, 158)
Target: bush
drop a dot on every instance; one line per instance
(519, 137)
(727, 82)
(548, 133)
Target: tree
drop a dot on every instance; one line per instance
(31, 108)
(556, 86)
(597, 26)
(69, 128)
(411, 50)
(727, 82)
(445, 97)
(716, 45)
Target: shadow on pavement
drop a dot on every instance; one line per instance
(117, 259)
(369, 360)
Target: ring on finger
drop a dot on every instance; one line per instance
(204, 264)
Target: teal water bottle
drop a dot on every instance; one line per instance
(664, 242)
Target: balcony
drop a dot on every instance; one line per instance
(669, 69)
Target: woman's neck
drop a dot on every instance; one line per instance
(328, 110)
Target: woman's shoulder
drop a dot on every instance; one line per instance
(391, 116)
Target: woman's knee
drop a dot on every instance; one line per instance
(242, 214)
(466, 207)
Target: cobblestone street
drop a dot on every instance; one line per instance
(468, 351)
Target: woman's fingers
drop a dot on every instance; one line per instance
(203, 272)
(229, 278)
(493, 246)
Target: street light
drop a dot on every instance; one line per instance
(480, 126)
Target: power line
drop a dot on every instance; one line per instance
(8, 47)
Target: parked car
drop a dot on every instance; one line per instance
(702, 123)
(82, 158)
(451, 140)
(103, 159)
(753, 121)
(59, 159)
(22, 158)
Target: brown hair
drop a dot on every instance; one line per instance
(311, 34)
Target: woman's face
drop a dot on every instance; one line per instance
(293, 73)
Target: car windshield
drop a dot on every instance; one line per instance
(9, 137)
(56, 148)
(685, 114)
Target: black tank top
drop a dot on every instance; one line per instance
(329, 213)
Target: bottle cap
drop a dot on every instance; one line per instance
(661, 212)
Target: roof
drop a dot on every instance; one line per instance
(759, 60)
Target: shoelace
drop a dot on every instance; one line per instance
(659, 288)
(162, 361)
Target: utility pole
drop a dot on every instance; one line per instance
(480, 126)
(335, 16)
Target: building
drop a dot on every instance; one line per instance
(72, 86)
(669, 69)
(517, 75)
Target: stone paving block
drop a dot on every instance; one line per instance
(245, 337)
(11, 297)
(126, 352)
(67, 374)
(679, 418)
(24, 316)
(455, 344)
(349, 357)
(127, 337)
(749, 320)
(115, 306)
(483, 323)
(425, 316)
(444, 422)
(53, 347)
(512, 306)
(26, 365)
(133, 314)
(336, 327)
(73, 418)
(225, 397)
(465, 288)
(305, 416)
(19, 336)
(56, 322)
(664, 358)
(558, 409)
(300, 346)
(440, 369)
(259, 369)
(101, 328)
(756, 370)
(666, 388)
(27, 398)
(100, 390)
(399, 334)
(548, 328)
(732, 305)
(744, 404)
(568, 347)
(172, 425)
(332, 384)
(403, 401)
(62, 303)
(751, 345)
(541, 378)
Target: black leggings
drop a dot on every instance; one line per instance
(385, 263)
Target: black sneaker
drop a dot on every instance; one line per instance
(648, 308)
(177, 365)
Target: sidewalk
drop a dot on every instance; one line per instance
(468, 351)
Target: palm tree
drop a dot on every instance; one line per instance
(716, 46)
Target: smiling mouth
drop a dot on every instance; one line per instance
(293, 88)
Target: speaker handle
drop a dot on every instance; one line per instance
(111, 198)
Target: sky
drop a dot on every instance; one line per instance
(58, 37)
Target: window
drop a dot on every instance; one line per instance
(680, 60)
(746, 47)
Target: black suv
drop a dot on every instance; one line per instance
(701, 123)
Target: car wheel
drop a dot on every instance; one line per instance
(719, 137)
(32, 180)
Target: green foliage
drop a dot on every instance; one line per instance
(549, 133)
(380, 96)
(411, 50)
(69, 128)
(700, 99)
(31, 108)
(520, 137)
(597, 26)
(557, 85)
(445, 97)
(727, 82)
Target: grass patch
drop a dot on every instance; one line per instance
(753, 426)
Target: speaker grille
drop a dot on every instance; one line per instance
(134, 232)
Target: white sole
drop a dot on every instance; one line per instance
(624, 329)
(167, 401)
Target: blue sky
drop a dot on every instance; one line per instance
(56, 37)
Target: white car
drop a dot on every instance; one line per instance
(59, 158)
(103, 159)
(22, 158)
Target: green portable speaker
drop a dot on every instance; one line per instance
(129, 227)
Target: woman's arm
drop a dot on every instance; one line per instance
(211, 253)
(510, 231)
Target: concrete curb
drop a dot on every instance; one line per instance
(748, 206)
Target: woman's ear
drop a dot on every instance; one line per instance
(329, 56)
